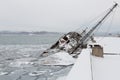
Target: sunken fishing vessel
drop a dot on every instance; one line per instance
(74, 42)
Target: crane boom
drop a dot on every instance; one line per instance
(91, 31)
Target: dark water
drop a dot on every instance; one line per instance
(28, 39)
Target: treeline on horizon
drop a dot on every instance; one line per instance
(27, 33)
(46, 32)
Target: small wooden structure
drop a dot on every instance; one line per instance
(97, 50)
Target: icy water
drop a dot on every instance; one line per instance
(20, 55)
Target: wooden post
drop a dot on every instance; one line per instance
(97, 50)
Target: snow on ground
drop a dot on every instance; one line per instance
(110, 44)
(107, 68)
(82, 68)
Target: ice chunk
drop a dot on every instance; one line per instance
(60, 58)
(23, 62)
(4, 73)
(37, 73)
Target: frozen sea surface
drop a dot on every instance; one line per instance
(21, 62)
(20, 58)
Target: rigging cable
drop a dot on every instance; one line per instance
(91, 21)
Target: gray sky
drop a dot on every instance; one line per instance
(52, 15)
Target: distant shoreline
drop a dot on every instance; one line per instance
(52, 33)
(28, 33)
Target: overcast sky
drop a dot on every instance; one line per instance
(52, 15)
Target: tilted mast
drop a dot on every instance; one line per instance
(87, 35)
(73, 42)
